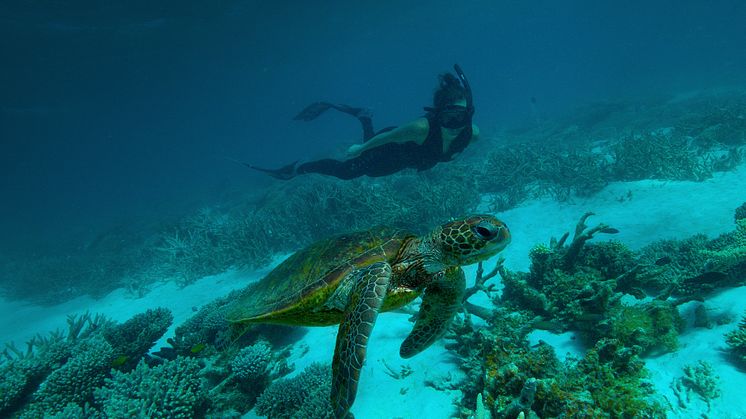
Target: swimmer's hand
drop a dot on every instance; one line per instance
(354, 150)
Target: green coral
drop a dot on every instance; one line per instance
(661, 154)
(730, 252)
(685, 261)
(76, 380)
(303, 396)
(171, 390)
(736, 339)
(609, 381)
(134, 338)
(575, 285)
(616, 377)
(740, 213)
(251, 363)
(654, 325)
(208, 327)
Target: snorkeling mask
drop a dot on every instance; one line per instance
(454, 116)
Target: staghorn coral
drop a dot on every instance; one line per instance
(303, 396)
(171, 390)
(659, 154)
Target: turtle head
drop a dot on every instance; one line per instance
(471, 240)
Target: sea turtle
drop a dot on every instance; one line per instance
(350, 278)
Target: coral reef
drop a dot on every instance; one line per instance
(205, 331)
(251, 362)
(133, 339)
(75, 381)
(650, 326)
(699, 379)
(728, 252)
(740, 212)
(736, 339)
(513, 378)
(660, 154)
(574, 156)
(171, 390)
(304, 396)
(59, 374)
(580, 286)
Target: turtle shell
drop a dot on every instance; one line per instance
(296, 290)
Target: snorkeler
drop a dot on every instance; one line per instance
(445, 131)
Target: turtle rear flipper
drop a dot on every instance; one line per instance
(352, 339)
(440, 303)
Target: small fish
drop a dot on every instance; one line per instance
(609, 230)
(665, 260)
(119, 361)
(198, 348)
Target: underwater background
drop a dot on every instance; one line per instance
(126, 225)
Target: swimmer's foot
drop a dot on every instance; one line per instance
(283, 173)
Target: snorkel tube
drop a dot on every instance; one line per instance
(467, 89)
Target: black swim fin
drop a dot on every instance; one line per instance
(312, 111)
(283, 173)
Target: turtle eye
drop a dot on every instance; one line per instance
(485, 230)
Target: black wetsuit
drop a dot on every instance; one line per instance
(390, 158)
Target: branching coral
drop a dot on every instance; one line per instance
(736, 339)
(729, 251)
(207, 329)
(76, 380)
(133, 339)
(170, 390)
(654, 325)
(659, 154)
(699, 379)
(515, 378)
(251, 362)
(304, 396)
(576, 284)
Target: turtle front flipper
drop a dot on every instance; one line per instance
(440, 303)
(352, 339)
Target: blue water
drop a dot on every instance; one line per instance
(109, 109)
(122, 113)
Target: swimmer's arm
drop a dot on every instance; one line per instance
(474, 132)
(415, 131)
